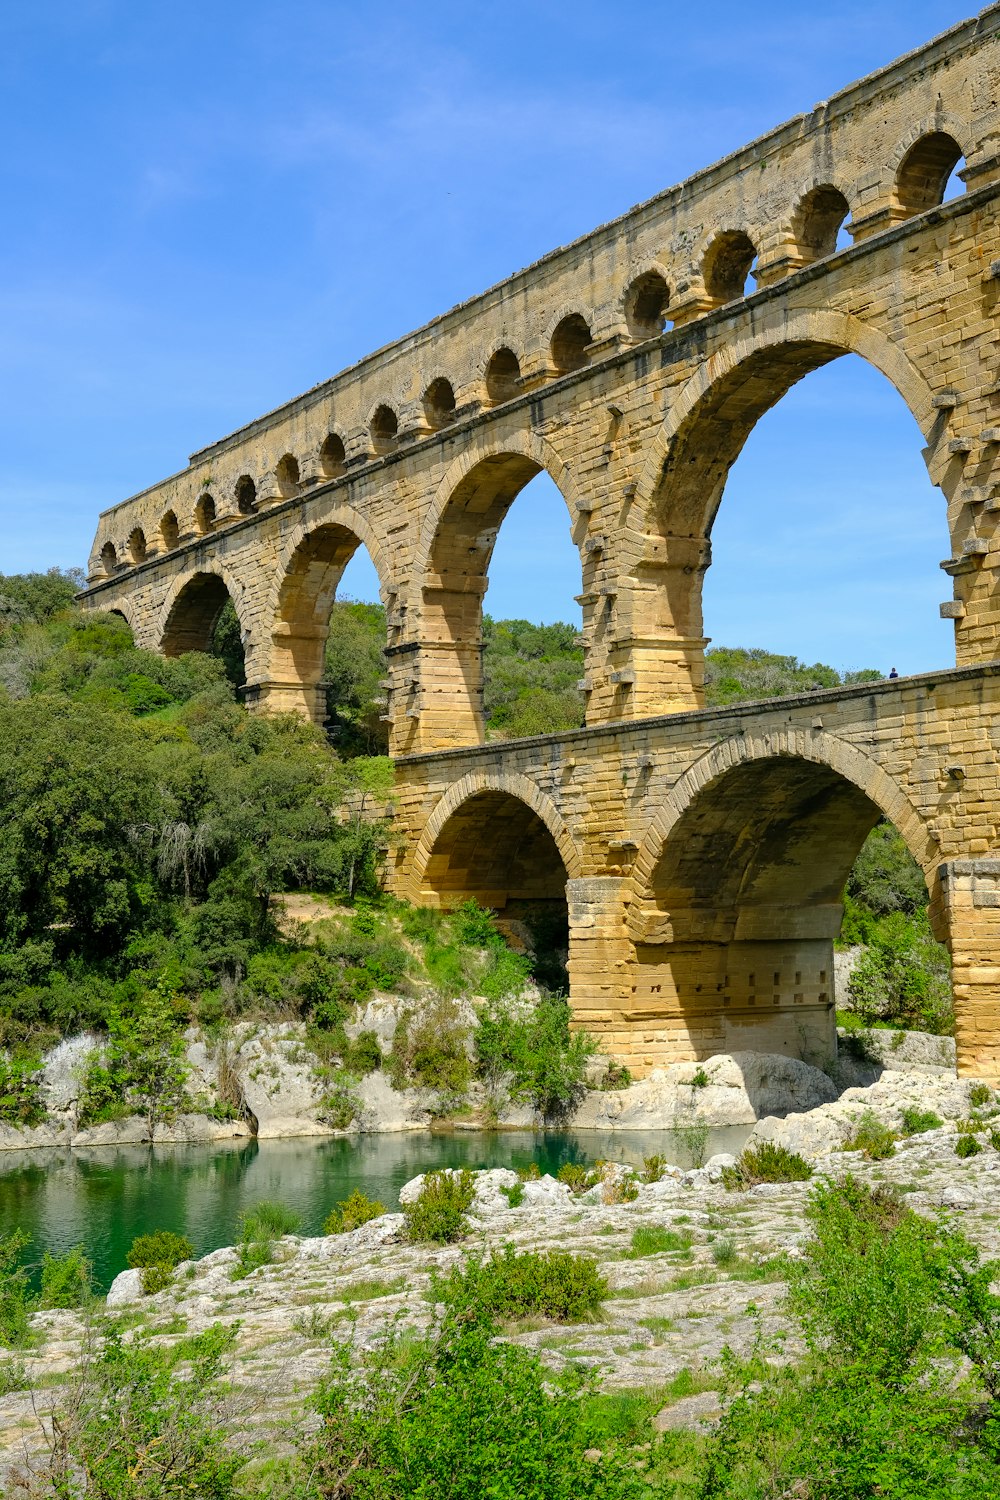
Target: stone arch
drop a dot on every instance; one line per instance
(383, 427)
(109, 558)
(245, 494)
(287, 476)
(726, 264)
(510, 784)
(814, 746)
(333, 456)
(137, 550)
(682, 481)
(737, 891)
(501, 373)
(923, 161)
(645, 301)
(191, 609)
(304, 587)
(451, 564)
(438, 402)
(569, 341)
(820, 211)
(204, 514)
(169, 529)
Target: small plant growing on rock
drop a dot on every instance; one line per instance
(579, 1179)
(979, 1094)
(260, 1226)
(16, 1300)
(514, 1194)
(967, 1145)
(724, 1254)
(156, 1256)
(531, 1173)
(872, 1137)
(653, 1168)
(439, 1211)
(352, 1213)
(616, 1076)
(766, 1162)
(656, 1239)
(918, 1121)
(552, 1284)
(620, 1188)
(699, 1079)
(995, 1139)
(363, 1055)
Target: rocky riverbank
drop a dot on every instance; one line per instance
(717, 1276)
(264, 1080)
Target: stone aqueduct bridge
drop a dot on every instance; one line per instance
(701, 854)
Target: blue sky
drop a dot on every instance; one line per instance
(211, 207)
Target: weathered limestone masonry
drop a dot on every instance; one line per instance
(701, 854)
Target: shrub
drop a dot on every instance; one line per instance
(340, 1106)
(620, 1188)
(21, 1101)
(66, 1279)
(979, 1094)
(514, 1194)
(269, 1218)
(438, 1213)
(352, 1213)
(766, 1162)
(534, 1054)
(578, 1178)
(699, 1079)
(616, 1076)
(16, 1301)
(458, 1415)
(653, 1168)
(967, 1145)
(724, 1254)
(917, 1121)
(872, 1137)
(429, 1050)
(363, 1055)
(902, 977)
(156, 1256)
(553, 1284)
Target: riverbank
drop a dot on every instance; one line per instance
(263, 1080)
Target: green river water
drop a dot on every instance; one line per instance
(102, 1197)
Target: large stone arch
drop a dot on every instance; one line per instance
(450, 572)
(509, 784)
(296, 611)
(665, 543)
(737, 890)
(205, 585)
(814, 746)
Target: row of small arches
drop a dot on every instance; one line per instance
(727, 266)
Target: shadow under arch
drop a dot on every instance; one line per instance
(683, 478)
(499, 841)
(451, 567)
(738, 886)
(302, 594)
(193, 607)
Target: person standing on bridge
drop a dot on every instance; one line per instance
(893, 674)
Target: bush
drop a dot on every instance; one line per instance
(438, 1213)
(514, 1194)
(340, 1105)
(616, 1076)
(917, 1121)
(900, 1329)
(363, 1055)
(902, 978)
(534, 1054)
(21, 1101)
(428, 1049)
(766, 1162)
(653, 1168)
(458, 1415)
(16, 1301)
(979, 1094)
(268, 1218)
(157, 1255)
(352, 1213)
(872, 1137)
(66, 1279)
(555, 1284)
(967, 1145)
(578, 1178)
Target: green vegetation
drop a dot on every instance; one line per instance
(872, 1137)
(765, 1162)
(533, 1056)
(157, 1255)
(260, 1226)
(917, 1121)
(16, 1301)
(439, 1212)
(555, 1284)
(967, 1145)
(655, 1239)
(354, 1211)
(66, 1279)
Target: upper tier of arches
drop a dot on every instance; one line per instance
(687, 277)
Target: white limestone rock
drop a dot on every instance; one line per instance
(741, 1088)
(126, 1287)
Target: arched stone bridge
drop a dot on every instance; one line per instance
(702, 854)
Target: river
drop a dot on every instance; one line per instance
(102, 1197)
